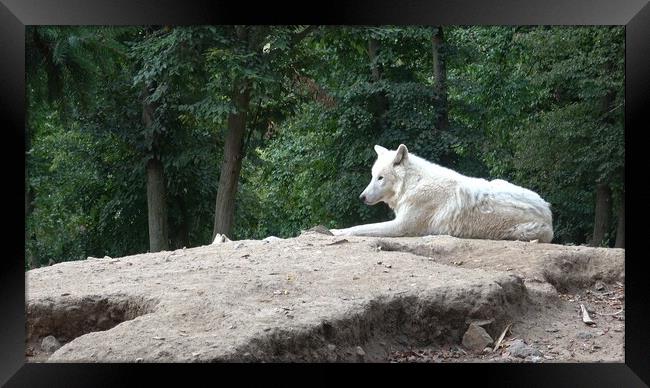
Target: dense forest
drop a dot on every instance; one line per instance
(153, 138)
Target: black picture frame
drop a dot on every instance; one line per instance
(634, 14)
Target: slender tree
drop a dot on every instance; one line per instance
(620, 228)
(156, 191)
(248, 40)
(232, 160)
(602, 213)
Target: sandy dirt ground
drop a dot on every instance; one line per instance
(321, 298)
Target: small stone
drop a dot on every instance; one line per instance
(139, 359)
(583, 335)
(476, 338)
(319, 229)
(536, 359)
(379, 262)
(599, 286)
(50, 344)
(520, 349)
(331, 347)
(360, 352)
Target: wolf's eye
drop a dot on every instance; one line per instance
(380, 178)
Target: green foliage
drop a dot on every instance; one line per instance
(311, 187)
(63, 64)
(90, 202)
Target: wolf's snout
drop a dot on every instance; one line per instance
(362, 197)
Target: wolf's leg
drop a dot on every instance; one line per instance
(379, 229)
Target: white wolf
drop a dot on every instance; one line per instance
(430, 199)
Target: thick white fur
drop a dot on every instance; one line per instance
(429, 199)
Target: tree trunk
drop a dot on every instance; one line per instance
(603, 212)
(603, 191)
(620, 228)
(156, 202)
(29, 257)
(157, 208)
(181, 230)
(28, 145)
(233, 153)
(29, 192)
(380, 101)
(28, 199)
(440, 79)
(231, 165)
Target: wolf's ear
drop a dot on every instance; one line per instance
(402, 154)
(380, 150)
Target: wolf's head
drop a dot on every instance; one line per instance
(385, 175)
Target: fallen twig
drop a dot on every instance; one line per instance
(338, 242)
(503, 334)
(610, 314)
